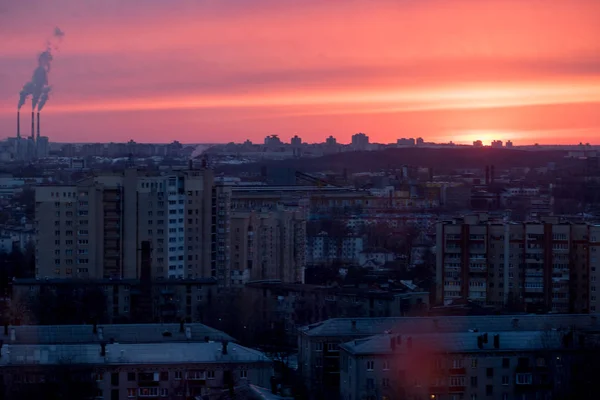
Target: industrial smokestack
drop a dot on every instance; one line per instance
(38, 125)
(18, 124)
(33, 126)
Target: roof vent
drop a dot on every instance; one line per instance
(188, 332)
(13, 334)
(353, 325)
(101, 333)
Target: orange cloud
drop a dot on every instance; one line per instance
(310, 66)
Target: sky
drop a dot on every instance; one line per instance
(230, 70)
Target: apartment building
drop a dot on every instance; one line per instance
(459, 365)
(319, 343)
(94, 229)
(115, 371)
(325, 249)
(547, 265)
(170, 300)
(267, 244)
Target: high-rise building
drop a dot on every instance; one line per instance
(94, 229)
(267, 244)
(547, 265)
(360, 141)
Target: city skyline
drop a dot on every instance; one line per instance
(196, 72)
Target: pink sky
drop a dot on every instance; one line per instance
(228, 70)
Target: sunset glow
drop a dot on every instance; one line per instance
(215, 71)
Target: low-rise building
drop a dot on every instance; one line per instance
(492, 365)
(134, 370)
(318, 344)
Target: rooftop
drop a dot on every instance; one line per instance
(118, 353)
(121, 333)
(456, 342)
(109, 281)
(357, 327)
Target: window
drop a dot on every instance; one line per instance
(385, 382)
(131, 392)
(164, 375)
(506, 363)
(457, 363)
(370, 365)
(196, 375)
(332, 347)
(505, 380)
(210, 374)
(489, 372)
(99, 376)
(114, 379)
(244, 374)
(114, 394)
(473, 363)
(457, 381)
(148, 392)
(164, 392)
(523, 379)
(131, 376)
(370, 383)
(489, 390)
(473, 381)
(178, 375)
(386, 365)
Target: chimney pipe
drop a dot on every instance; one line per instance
(95, 328)
(33, 126)
(496, 341)
(181, 330)
(102, 349)
(224, 347)
(6, 329)
(1, 344)
(38, 125)
(18, 124)
(353, 325)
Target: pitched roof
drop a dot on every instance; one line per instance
(362, 327)
(121, 333)
(119, 354)
(456, 342)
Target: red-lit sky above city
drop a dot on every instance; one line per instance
(228, 70)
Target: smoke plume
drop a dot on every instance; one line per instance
(44, 97)
(38, 87)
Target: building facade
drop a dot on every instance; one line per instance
(319, 343)
(94, 229)
(152, 370)
(466, 365)
(547, 265)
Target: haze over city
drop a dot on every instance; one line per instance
(220, 71)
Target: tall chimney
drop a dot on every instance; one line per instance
(33, 126)
(19, 124)
(38, 125)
